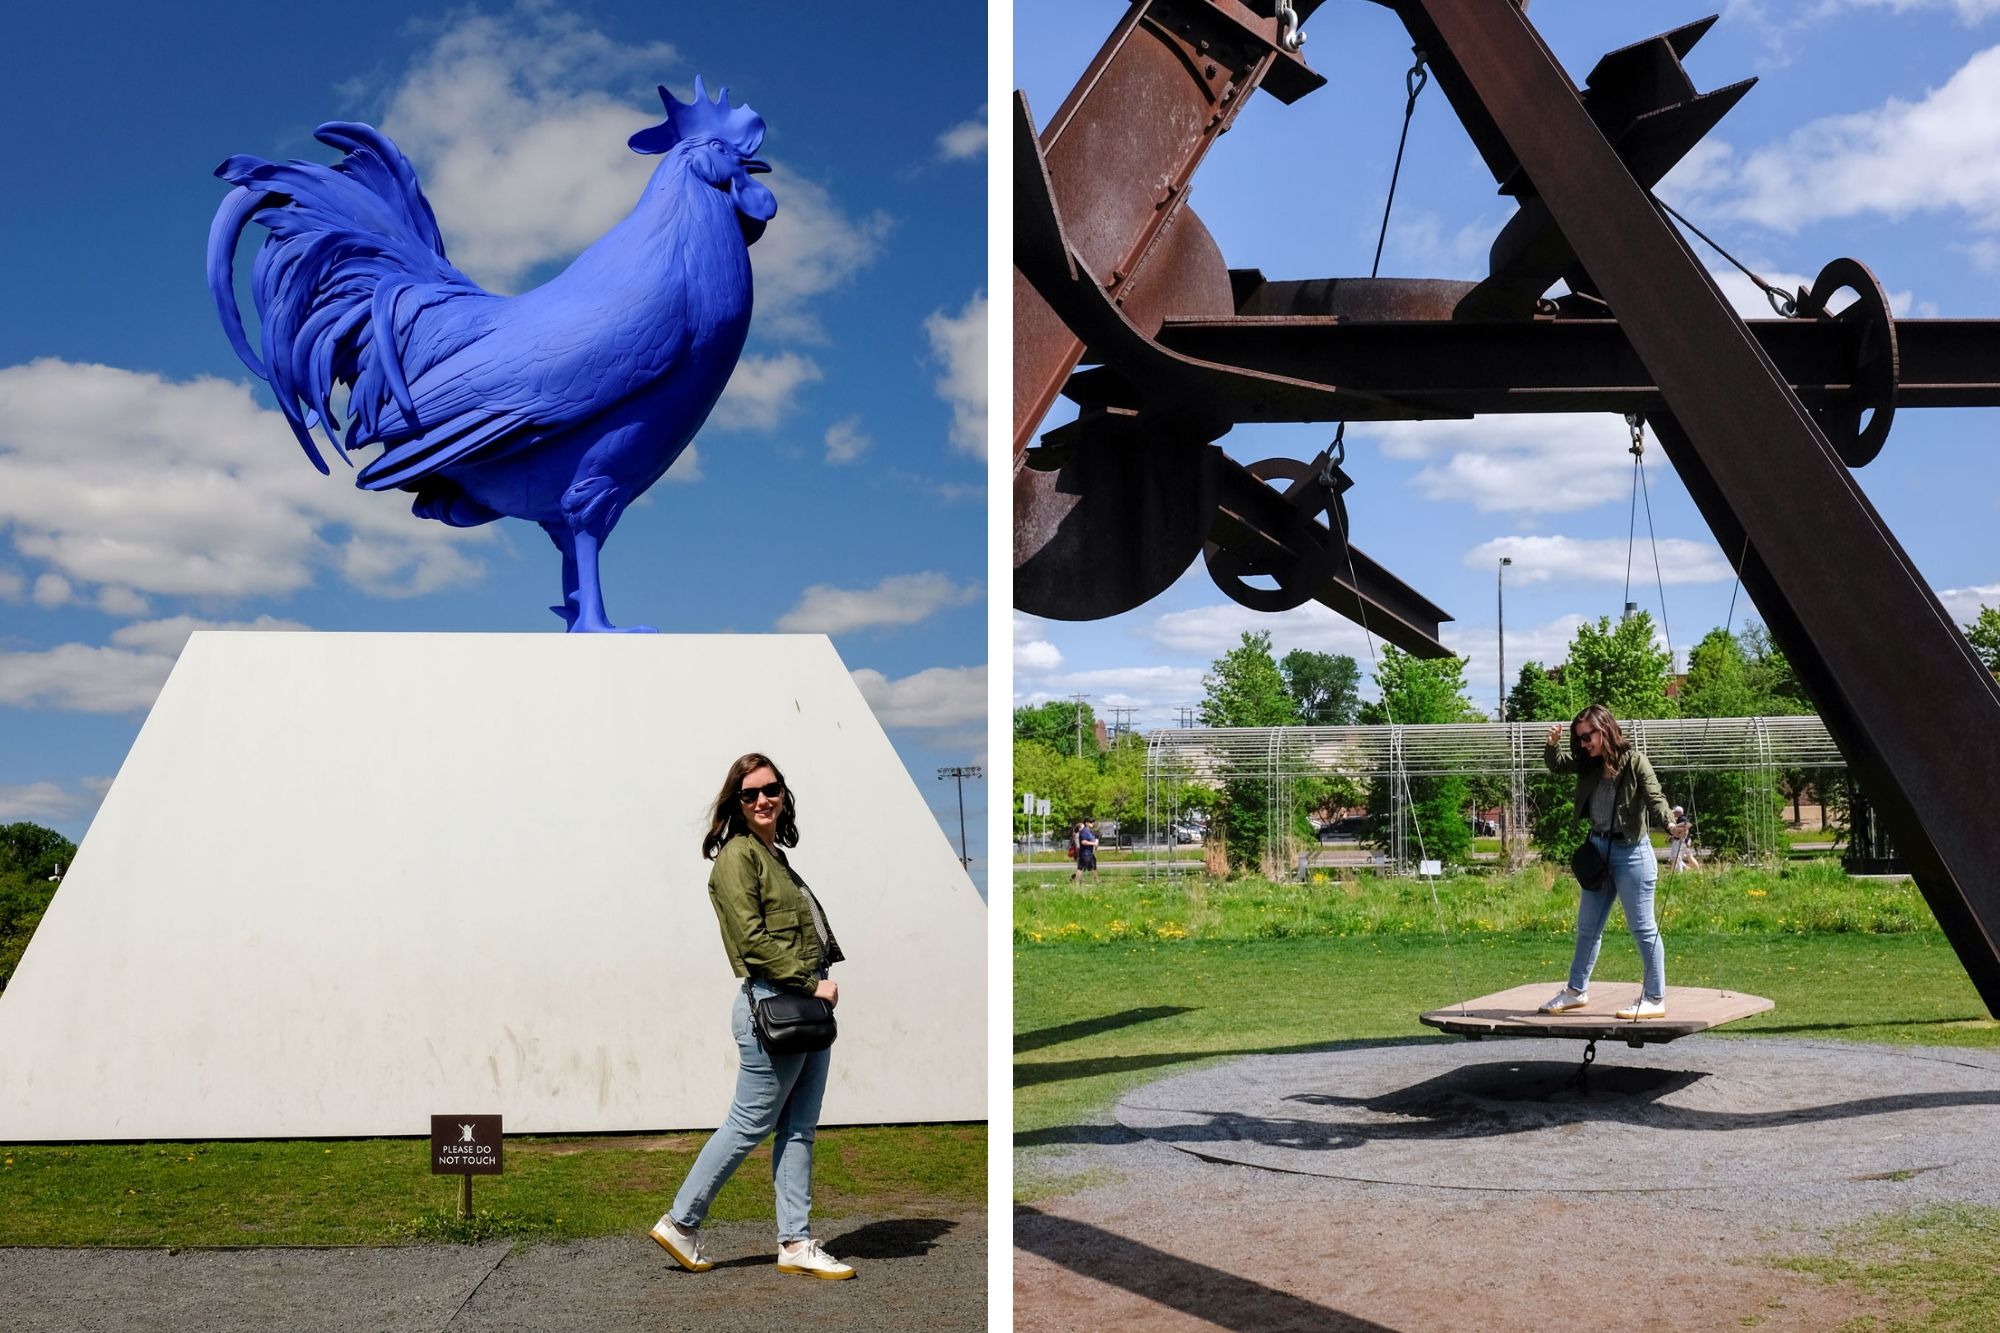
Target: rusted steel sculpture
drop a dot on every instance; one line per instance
(1762, 418)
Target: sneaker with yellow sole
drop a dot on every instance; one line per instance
(683, 1243)
(1642, 1008)
(1565, 1000)
(808, 1258)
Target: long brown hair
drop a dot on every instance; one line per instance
(1616, 747)
(725, 817)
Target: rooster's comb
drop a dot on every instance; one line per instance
(739, 126)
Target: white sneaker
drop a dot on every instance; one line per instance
(810, 1259)
(1643, 1008)
(1565, 1000)
(684, 1245)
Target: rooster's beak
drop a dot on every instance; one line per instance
(755, 167)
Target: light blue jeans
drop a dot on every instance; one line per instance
(1634, 871)
(775, 1094)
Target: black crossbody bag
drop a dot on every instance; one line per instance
(790, 1023)
(1589, 866)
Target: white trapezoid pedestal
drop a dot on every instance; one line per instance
(346, 881)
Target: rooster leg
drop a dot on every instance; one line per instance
(592, 507)
(559, 534)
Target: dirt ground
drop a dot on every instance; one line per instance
(1194, 1245)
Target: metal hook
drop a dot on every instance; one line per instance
(1289, 35)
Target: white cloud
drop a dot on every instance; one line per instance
(967, 139)
(1033, 654)
(39, 802)
(1538, 463)
(520, 150)
(900, 599)
(171, 635)
(1601, 560)
(189, 489)
(1211, 631)
(846, 441)
(51, 590)
(938, 697)
(1963, 604)
(113, 600)
(12, 585)
(764, 390)
(1939, 153)
(522, 153)
(122, 677)
(686, 469)
(959, 343)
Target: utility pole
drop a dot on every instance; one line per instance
(961, 773)
(1079, 700)
(1121, 721)
(1186, 712)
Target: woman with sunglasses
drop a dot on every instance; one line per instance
(777, 938)
(1615, 790)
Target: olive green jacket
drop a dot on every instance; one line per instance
(1638, 791)
(767, 924)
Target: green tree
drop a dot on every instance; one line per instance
(1618, 666)
(1243, 688)
(1419, 690)
(1984, 634)
(1054, 724)
(29, 856)
(1325, 687)
(1073, 787)
(1121, 790)
(1540, 695)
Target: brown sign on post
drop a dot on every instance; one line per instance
(465, 1145)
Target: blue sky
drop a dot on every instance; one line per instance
(148, 487)
(1873, 132)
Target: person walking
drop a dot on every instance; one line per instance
(1615, 790)
(1680, 850)
(777, 938)
(1086, 851)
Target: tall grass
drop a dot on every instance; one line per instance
(1812, 897)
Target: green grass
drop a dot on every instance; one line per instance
(380, 1191)
(1801, 899)
(1932, 1268)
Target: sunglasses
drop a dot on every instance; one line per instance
(1585, 734)
(749, 795)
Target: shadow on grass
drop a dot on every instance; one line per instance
(1209, 1294)
(1090, 1027)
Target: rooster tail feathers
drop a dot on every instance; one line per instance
(346, 242)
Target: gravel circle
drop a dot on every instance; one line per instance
(1701, 1114)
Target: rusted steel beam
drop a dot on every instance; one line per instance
(1120, 151)
(1911, 705)
(1570, 365)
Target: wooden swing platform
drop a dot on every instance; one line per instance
(1511, 1013)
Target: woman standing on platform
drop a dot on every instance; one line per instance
(777, 938)
(1615, 790)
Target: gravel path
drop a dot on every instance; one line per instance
(1452, 1185)
(915, 1274)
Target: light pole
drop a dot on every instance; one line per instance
(1500, 593)
(961, 773)
(1500, 596)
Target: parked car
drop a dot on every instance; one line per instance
(1189, 833)
(1484, 828)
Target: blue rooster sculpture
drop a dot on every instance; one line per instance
(561, 405)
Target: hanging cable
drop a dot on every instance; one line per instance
(1784, 302)
(1413, 84)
